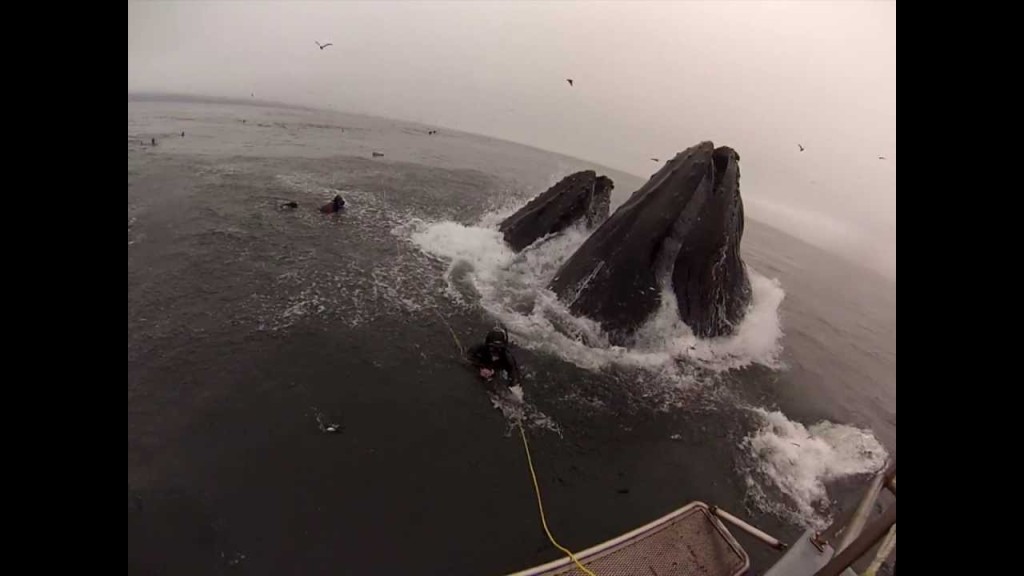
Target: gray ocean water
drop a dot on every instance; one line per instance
(250, 326)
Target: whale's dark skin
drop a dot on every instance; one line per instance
(679, 234)
(581, 196)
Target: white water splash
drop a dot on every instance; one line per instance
(797, 462)
(511, 287)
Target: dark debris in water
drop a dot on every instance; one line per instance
(234, 560)
(325, 425)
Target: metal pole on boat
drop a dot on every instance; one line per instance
(871, 536)
(845, 524)
(886, 549)
(752, 531)
(860, 517)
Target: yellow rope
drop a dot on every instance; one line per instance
(455, 337)
(540, 506)
(533, 473)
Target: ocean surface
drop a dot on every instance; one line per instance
(253, 329)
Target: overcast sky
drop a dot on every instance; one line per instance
(651, 78)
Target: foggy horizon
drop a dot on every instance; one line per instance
(649, 80)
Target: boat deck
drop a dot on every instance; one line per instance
(689, 542)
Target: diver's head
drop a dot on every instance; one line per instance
(497, 340)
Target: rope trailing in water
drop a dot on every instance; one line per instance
(455, 337)
(529, 462)
(540, 506)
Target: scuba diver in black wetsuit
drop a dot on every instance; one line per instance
(494, 357)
